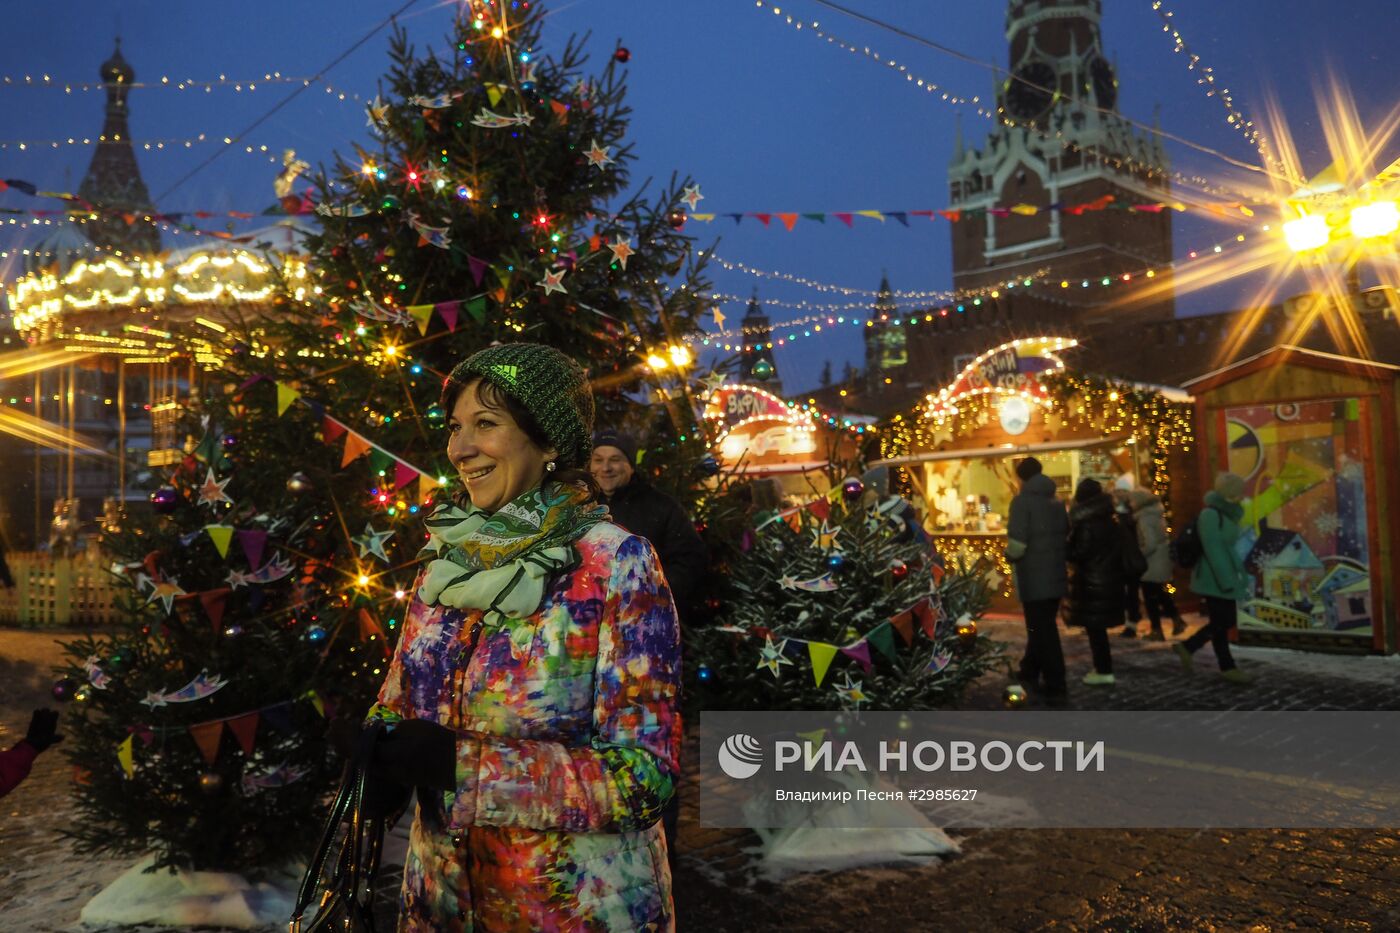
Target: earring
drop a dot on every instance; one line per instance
(549, 467)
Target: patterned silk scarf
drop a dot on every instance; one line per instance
(502, 562)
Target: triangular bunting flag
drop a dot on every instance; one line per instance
(789, 220)
(820, 508)
(951, 216)
(847, 219)
(904, 624)
(355, 446)
(316, 701)
(873, 215)
(882, 637)
(380, 461)
(493, 93)
(478, 268)
(900, 216)
(403, 474)
(286, 395)
(1025, 210)
(244, 729)
(369, 626)
(503, 276)
(220, 535)
(819, 218)
(253, 543)
(423, 315)
(923, 611)
(763, 218)
(860, 651)
(447, 310)
(427, 487)
(207, 735)
(214, 603)
(208, 448)
(500, 296)
(821, 654)
(124, 757)
(476, 307)
(331, 429)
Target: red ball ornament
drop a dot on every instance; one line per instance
(899, 570)
(622, 55)
(677, 219)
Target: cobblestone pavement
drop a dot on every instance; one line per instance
(1259, 881)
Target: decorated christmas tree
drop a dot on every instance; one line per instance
(266, 587)
(837, 605)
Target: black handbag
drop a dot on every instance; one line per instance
(341, 873)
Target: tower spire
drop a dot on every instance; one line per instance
(113, 182)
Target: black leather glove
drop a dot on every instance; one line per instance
(43, 730)
(416, 753)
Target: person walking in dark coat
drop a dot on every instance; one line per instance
(1219, 577)
(1096, 574)
(1035, 546)
(1135, 564)
(646, 511)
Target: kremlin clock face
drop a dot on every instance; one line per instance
(1105, 83)
(1029, 93)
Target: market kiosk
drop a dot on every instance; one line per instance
(956, 450)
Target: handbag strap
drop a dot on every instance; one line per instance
(355, 866)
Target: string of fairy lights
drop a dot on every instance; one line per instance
(149, 145)
(223, 82)
(1195, 182)
(1213, 88)
(1051, 288)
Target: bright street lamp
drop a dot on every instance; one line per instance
(1380, 219)
(1308, 232)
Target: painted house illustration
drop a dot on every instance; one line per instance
(1284, 567)
(1344, 596)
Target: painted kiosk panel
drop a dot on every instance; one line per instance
(1310, 433)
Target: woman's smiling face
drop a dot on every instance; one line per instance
(495, 458)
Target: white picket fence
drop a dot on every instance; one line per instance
(53, 591)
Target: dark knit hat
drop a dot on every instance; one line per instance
(1087, 489)
(549, 385)
(623, 442)
(1027, 467)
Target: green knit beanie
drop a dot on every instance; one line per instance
(549, 385)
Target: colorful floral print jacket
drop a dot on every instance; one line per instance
(568, 743)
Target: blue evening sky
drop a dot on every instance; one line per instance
(765, 117)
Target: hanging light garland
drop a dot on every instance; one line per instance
(223, 82)
(148, 145)
(992, 113)
(1235, 118)
(1048, 288)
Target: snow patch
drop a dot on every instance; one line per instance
(185, 899)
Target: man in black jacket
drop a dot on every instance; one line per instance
(647, 511)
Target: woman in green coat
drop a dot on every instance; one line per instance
(1219, 576)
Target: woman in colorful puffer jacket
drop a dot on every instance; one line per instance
(532, 697)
